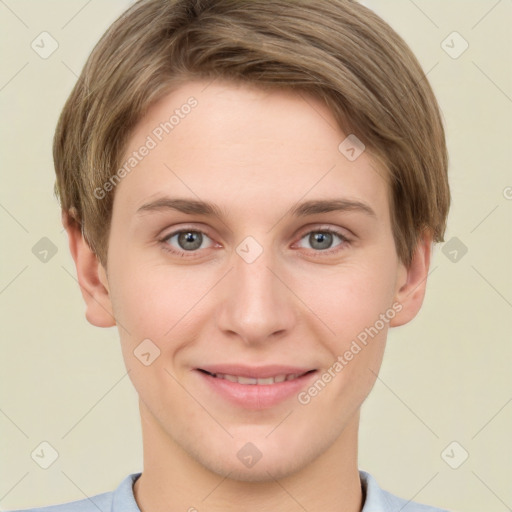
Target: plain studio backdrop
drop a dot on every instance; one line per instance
(436, 427)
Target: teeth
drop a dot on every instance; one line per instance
(269, 380)
(247, 380)
(253, 381)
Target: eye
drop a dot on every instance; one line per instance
(322, 239)
(187, 241)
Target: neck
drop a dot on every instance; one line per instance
(172, 480)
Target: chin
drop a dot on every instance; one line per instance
(262, 471)
(264, 460)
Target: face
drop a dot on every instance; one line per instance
(267, 283)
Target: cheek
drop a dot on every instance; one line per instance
(150, 299)
(156, 310)
(350, 298)
(356, 305)
(167, 306)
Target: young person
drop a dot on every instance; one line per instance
(251, 190)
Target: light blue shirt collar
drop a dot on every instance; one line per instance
(376, 499)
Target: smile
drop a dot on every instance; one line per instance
(257, 381)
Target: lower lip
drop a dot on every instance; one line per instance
(257, 396)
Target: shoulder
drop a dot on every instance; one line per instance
(379, 500)
(120, 500)
(92, 504)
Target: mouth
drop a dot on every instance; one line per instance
(252, 381)
(254, 388)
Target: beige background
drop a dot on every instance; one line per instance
(446, 376)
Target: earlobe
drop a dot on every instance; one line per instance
(412, 282)
(91, 276)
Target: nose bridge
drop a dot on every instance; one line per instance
(257, 303)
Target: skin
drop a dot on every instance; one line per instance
(255, 154)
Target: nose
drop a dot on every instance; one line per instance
(256, 303)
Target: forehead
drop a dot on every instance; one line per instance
(241, 145)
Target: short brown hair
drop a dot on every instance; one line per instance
(337, 50)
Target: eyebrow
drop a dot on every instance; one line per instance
(307, 208)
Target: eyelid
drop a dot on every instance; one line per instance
(337, 230)
(175, 231)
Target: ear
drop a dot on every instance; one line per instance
(412, 282)
(92, 277)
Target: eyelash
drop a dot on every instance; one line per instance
(189, 254)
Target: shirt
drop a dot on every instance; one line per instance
(122, 500)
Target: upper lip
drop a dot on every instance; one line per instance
(255, 372)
